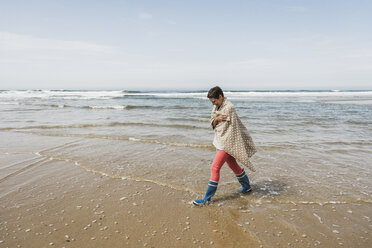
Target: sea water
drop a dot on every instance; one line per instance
(313, 147)
(315, 142)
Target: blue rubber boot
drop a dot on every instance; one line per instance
(244, 181)
(211, 190)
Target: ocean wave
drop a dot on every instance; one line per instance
(39, 105)
(319, 202)
(130, 107)
(9, 103)
(101, 107)
(20, 110)
(199, 94)
(57, 105)
(126, 138)
(6, 128)
(111, 124)
(120, 107)
(208, 146)
(189, 119)
(352, 143)
(277, 147)
(167, 95)
(59, 94)
(359, 122)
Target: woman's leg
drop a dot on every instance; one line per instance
(216, 166)
(218, 161)
(231, 162)
(240, 175)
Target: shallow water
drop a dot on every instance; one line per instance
(314, 147)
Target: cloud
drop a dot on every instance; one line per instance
(15, 42)
(33, 60)
(144, 16)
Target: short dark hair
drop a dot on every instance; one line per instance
(215, 92)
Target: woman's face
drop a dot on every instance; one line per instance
(217, 101)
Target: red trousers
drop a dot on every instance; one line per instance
(220, 158)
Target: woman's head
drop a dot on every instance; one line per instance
(216, 96)
(215, 92)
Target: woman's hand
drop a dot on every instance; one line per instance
(221, 118)
(218, 119)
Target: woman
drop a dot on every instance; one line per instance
(232, 141)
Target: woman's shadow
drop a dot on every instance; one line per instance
(267, 188)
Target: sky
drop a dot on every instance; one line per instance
(251, 44)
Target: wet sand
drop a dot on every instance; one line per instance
(58, 204)
(53, 202)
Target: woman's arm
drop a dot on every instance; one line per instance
(218, 119)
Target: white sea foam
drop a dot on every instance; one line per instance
(241, 95)
(170, 94)
(9, 103)
(85, 95)
(50, 94)
(109, 107)
(318, 217)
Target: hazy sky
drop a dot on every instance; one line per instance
(251, 44)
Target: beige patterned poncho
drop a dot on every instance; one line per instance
(232, 135)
